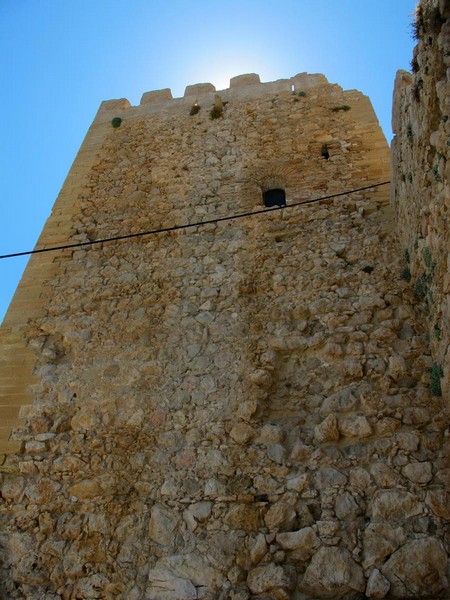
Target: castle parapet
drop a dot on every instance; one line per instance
(156, 97)
(246, 86)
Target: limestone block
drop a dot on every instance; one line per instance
(242, 433)
(332, 573)
(162, 525)
(341, 401)
(395, 506)
(304, 539)
(346, 507)
(277, 453)
(417, 569)
(439, 502)
(244, 516)
(420, 472)
(42, 491)
(201, 511)
(329, 477)
(163, 584)
(377, 585)
(259, 549)
(359, 478)
(355, 427)
(380, 540)
(280, 517)
(299, 483)
(12, 488)
(269, 578)
(327, 431)
(86, 489)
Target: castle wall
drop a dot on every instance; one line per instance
(421, 174)
(238, 410)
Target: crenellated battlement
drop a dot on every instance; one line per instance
(242, 87)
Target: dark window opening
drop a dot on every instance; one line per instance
(276, 197)
(325, 152)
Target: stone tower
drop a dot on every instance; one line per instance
(234, 410)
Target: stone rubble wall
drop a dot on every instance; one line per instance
(421, 175)
(242, 410)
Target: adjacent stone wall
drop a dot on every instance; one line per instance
(421, 174)
(240, 410)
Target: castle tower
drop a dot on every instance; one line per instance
(228, 410)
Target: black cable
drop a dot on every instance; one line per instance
(188, 225)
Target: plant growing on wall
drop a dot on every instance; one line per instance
(342, 107)
(436, 373)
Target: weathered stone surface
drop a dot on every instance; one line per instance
(270, 578)
(357, 427)
(329, 477)
(395, 506)
(242, 433)
(346, 507)
(304, 540)
(419, 472)
(439, 502)
(327, 431)
(332, 574)
(89, 488)
(341, 401)
(259, 549)
(280, 517)
(417, 569)
(164, 585)
(252, 393)
(243, 516)
(162, 525)
(381, 540)
(377, 585)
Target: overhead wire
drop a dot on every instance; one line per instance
(191, 225)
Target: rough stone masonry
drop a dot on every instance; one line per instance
(240, 410)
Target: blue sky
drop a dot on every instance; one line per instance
(60, 58)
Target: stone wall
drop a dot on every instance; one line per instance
(421, 174)
(239, 410)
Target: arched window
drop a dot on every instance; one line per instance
(274, 197)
